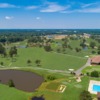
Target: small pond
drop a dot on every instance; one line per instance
(26, 81)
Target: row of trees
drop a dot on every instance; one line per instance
(11, 53)
(38, 62)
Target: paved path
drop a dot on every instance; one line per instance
(64, 72)
(79, 71)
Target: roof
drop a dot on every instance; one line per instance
(95, 59)
(98, 95)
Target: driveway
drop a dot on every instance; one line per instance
(79, 71)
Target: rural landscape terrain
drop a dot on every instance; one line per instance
(49, 64)
(49, 49)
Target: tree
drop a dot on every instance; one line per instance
(11, 83)
(92, 44)
(1, 63)
(94, 74)
(48, 48)
(29, 62)
(2, 50)
(77, 49)
(93, 52)
(13, 51)
(99, 47)
(38, 62)
(58, 50)
(99, 52)
(85, 95)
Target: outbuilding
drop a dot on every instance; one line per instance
(95, 60)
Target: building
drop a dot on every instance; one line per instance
(95, 60)
(57, 37)
(98, 95)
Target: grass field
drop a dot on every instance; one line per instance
(91, 68)
(74, 44)
(7, 93)
(72, 92)
(53, 86)
(53, 61)
(49, 60)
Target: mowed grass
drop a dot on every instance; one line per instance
(91, 68)
(72, 91)
(8, 93)
(49, 60)
(53, 86)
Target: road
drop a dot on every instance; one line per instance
(79, 71)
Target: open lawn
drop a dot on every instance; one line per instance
(49, 60)
(7, 93)
(72, 91)
(91, 68)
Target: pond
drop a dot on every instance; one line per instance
(26, 81)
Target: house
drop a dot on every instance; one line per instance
(98, 95)
(95, 60)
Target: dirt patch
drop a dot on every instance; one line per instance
(26, 81)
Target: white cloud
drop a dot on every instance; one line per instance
(85, 8)
(6, 5)
(53, 7)
(9, 17)
(31, 7)
(90, 10)
(89, 5)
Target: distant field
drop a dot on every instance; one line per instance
(49, 60)
(74, 44)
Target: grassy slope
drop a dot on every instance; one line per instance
(7, 93)
(48, 60)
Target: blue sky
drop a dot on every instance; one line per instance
(64, 14)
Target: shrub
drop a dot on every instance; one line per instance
(94, 74)
(50, 77)
(85, 95)
(93, 52)
(11, 83)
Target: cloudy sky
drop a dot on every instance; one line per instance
(33, 14)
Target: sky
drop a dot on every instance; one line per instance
(49, 14)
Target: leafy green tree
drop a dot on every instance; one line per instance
(58, 50)
(11, 83)
(38, 62)
(93, 52)
(85, 95)
(2, 50)
(99, 52)
(13, 51)
(1, 63)
(94, 74)
(47, 48)
(92, 44)
(77, 49)
(29, 61)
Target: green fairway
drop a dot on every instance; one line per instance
(49, 60)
